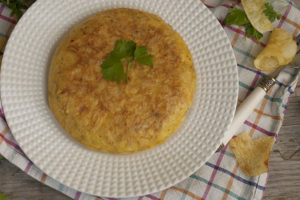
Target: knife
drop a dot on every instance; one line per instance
(245, 109)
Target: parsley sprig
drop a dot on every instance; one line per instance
(17, 6)
(270, 12)
(5, 197)
(253, 32)
(124, 52)
(238, 17)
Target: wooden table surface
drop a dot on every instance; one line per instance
(284, 179)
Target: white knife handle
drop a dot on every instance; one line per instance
(243, 112)
(247, 107)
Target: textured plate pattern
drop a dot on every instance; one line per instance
(24, 97)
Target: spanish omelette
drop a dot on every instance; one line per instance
(126, 117)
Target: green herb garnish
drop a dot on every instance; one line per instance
(238, 17)
(112, 69)
(124, 51)
(17, 6)
(270, 12)
(2, 158)
(5, 197)
(252, 32)
(141, 55)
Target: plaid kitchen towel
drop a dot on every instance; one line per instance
(220, 177)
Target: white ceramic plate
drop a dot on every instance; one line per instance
(24, 97)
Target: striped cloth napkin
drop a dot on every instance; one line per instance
(220, 177)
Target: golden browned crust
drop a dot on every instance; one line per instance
(121, 118)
